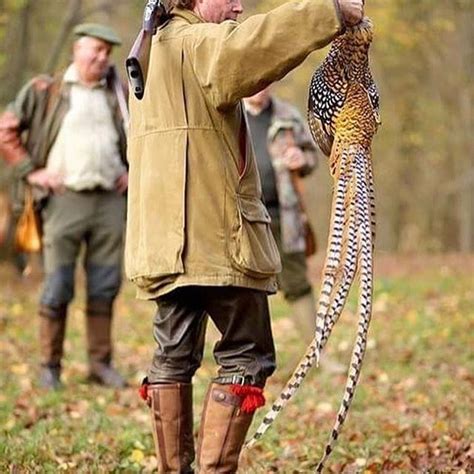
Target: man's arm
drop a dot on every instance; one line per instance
(11, 148)
(301, 160)
(234, 60)
(301, 157)
(17, 119)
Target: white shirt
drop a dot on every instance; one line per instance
(86, 151)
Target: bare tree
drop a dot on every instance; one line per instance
(15, 71)
(72, 18)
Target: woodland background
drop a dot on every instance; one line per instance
(413, 409)
(422, 59)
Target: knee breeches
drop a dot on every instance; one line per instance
(245, 351)
(70, 220)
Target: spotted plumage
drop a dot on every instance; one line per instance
(343, 115)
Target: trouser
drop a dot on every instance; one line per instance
(245, 353)
(94, 219)
(293, 280)
(295, 286)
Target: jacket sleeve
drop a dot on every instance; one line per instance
(233, 61)
(24, 108)
(307, 145)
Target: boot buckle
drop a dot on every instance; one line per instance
(238, 380)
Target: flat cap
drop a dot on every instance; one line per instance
(102, 32)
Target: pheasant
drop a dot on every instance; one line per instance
(343, 115)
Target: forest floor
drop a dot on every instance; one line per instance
(413, 410)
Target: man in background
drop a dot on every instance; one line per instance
(286, 153)
(65, 138)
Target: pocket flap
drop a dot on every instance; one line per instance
(253, 209)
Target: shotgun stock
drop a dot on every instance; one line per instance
(138, 59)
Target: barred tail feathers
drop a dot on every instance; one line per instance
(287, 393)
(335, 245)
(349, 268)
(365, 243)
(371, 185)
(331, 283)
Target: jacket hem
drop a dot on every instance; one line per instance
(268, 285)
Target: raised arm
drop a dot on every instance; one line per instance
(248, 56)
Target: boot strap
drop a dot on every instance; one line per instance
(234, 379)
(226, 398)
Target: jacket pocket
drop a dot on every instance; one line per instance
(253, 249)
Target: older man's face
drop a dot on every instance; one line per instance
(91, 57)
(217, 11)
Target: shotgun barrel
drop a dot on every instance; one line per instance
(138, 59)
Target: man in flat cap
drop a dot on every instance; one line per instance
(65, 138)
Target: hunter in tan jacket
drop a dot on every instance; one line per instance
(198, 234)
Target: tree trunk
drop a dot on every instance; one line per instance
(72, 18)
(15, 71)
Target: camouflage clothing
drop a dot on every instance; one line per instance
(287, 128)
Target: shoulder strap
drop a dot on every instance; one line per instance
(54, 90)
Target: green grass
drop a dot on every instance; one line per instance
(412, 410)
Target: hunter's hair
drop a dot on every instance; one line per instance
(188, 4)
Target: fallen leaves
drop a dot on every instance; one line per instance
(137, 456)
(412, 412)
(78, 409)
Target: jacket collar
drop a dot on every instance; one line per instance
(187, 15)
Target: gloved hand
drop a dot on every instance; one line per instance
(352, 11)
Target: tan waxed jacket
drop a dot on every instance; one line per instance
(195, 210)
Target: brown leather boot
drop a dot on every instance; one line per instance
(52, 328)
(223, 429)
(99, 341)
(172, 421)
(99, 332)
(51, 340)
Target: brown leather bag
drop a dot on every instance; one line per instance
(311, 243)
(28, 229)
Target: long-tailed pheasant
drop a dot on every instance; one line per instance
(343, 114)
